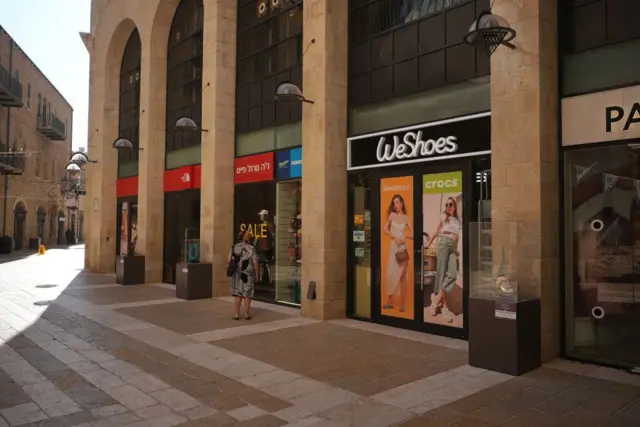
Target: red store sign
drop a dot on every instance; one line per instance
(179, 179)
(254, 168)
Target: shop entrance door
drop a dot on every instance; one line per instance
(421, 276)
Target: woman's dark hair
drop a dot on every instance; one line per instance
(241, 234)
(390, 210)
(455, 207)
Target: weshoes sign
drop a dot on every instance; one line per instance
(611, 115)
(459, 137)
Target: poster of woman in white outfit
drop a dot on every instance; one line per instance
(397, 294)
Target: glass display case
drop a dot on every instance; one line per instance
(502, 261)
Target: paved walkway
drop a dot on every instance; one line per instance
(77, 350)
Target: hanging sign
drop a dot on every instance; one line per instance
(452, 138)
(253, 168)
(608, 182)
(582, 172)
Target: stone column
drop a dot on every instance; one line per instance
(103, 174)
(324, 139)
(152, 158)
(218, 119)
(524, 156)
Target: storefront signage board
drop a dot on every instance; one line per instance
(289, 163)
(611, 115)
(179, 179)
(126, 187)
(452, 138)
(253, 168)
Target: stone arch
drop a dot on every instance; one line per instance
(22, 202)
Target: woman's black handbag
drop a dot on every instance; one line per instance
(233, 264)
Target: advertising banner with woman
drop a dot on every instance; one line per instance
(396, 247)
(442, 240)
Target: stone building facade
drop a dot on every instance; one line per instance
(40, 126)
(521, 95)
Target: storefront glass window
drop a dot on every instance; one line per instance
(361, 256)
(255, 205)
(288, 242)
(603, 253)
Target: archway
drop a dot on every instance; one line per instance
(19, 223)
(61, 222)
(184, 99)
(41, 217)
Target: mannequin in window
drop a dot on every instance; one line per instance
(264, 244)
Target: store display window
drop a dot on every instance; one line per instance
(254, 209)
(288, 242)
(602, 229)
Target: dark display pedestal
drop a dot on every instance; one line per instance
(6, 245)
(130, 270)
(194, 281)
(504, 336)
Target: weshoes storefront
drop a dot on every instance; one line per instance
(601, 144)
(412, 193)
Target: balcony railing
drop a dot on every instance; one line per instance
(12, 162)
(10, 89)
(73, 183)
(49, 125)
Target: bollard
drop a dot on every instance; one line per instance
(42, 250)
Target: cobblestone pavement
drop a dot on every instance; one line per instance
(78, 350)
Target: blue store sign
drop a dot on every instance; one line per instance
(289, 163)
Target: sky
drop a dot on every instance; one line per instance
(47, 30)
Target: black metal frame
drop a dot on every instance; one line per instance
(129, 100)
(184, 74)
(414, 55)
(465, 165)
(269, 53)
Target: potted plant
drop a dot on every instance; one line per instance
(130, 267)
(193, 278)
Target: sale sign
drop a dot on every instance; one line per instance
(254, 168)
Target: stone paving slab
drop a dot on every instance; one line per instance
(120, 294)
(201, 316)
(103, 355)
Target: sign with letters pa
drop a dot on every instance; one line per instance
(445, 139)
(612, 115)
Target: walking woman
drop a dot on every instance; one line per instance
(448, 231)
(395, 228)
(243, 279)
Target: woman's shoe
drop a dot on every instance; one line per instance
(235, 317)
(247, 317)
(447, 315)
(387, 306)
(402, 309)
